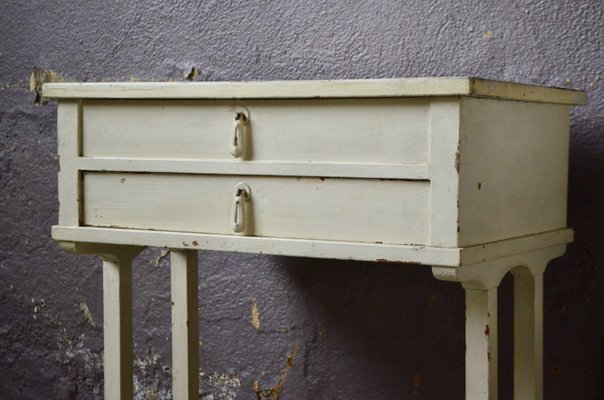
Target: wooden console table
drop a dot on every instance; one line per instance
(464, 175)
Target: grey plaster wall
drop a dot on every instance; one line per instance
(328, 329)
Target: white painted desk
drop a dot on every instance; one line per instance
(465, 175)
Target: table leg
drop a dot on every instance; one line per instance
(185, 325)
(480, 282)
(481, 344)
(528, 335)
(117, 315)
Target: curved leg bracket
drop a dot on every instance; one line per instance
(480, 282)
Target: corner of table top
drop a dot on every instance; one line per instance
(479, 87)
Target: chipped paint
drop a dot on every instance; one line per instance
(68, 350)
(273, 393)
(163, 254)
(255, 315)
(86, 313)
(192, 74)
(219, 386)
(152, 377)
(38, 77)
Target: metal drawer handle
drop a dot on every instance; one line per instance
(238, 134)
(243, 193)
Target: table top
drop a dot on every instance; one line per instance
(397, 87)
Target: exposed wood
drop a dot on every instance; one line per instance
(185, 325)
(357, 209)
(481, 344)
(398, 87)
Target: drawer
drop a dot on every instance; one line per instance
(363, 210)
(386, 130)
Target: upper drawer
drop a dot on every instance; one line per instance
(310, 130)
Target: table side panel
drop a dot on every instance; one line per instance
(513, 169)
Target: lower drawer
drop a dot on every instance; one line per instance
(363, 210)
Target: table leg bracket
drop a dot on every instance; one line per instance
(480, 282)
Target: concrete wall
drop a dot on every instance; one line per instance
(350, 330)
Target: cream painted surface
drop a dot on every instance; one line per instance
(305, 208)
(322, 130)
(476, 188)
(416, 254)
(397, 87)
(481, 344)
(332, 249)
(513, 169)
(480, 281)
(185, 324)
(68, 143)
(444, 155)
(117, 323)
(504, 248)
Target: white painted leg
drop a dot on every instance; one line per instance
(481, 344)
(185, 325)
(528, 335)
(117, 315)
(480, 282)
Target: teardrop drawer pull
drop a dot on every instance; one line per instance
(243, 194)
(238, 134)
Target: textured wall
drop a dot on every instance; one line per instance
(350, 330)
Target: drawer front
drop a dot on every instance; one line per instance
(362, 210)
(319, 130)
